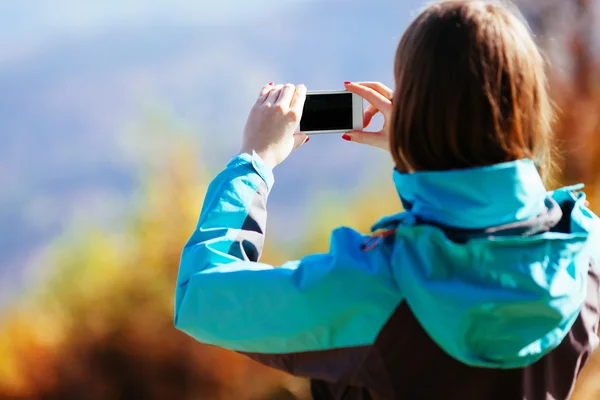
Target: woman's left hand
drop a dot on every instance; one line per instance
(380, 98)
(271, 126)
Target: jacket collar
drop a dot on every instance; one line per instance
(474, 198)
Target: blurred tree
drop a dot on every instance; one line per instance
(101, 326)
(570, 33)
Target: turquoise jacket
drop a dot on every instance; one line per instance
(495, 299)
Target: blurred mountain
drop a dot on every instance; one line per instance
(78, 80)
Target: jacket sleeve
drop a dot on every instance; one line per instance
(315, 306)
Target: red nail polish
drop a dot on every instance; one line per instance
(270, 83)
(307, 139)
(347, 82)
(346, 137)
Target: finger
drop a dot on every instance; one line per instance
(300, 139)
(379, 88)
(375, 139)
(264, 93)
(287, 94)
(375, 98)
(297, 104)
(273, 95)
(370, 112)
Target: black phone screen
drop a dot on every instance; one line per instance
(327, 111)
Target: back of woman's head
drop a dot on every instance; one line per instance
(471, 90)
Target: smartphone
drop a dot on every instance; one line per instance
(331, 112)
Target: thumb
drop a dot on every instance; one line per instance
(300, 139)
(375, 139)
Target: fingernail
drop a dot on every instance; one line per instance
(307, 139)
(347, 82)
(346, 137)
(270, 83)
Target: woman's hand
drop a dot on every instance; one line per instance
(271, 126)
(380, 98)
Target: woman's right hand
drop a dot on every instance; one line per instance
(379, 97)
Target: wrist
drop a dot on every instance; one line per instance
(265, 156)
(245, 163)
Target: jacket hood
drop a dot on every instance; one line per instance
(510, 294)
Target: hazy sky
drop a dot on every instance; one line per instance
(34, 18)
(29, 25)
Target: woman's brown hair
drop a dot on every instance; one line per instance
(471, 90)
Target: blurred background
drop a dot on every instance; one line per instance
(115, 115)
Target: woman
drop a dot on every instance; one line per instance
(486, 287)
